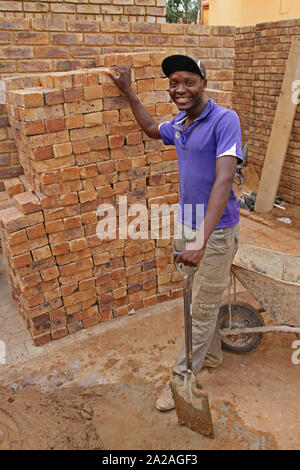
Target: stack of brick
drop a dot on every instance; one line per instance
(80, 147)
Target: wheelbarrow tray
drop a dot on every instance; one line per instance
(273, 279)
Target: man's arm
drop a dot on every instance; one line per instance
(225, 171)
(123, 80)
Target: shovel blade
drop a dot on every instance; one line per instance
(192, 406)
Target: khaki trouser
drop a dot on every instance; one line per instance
(210, 281)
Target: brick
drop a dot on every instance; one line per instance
(13, 220)
(49, 273)
(110, 116)
(92, 119)
(16, 52)
(66, 38)
(37, 231)
(55, 125)
(69, 199)
(116, 140)
(27, 202)
(29, 98)
(17, 237)
(82, 146)
(41, 253)
(32, 280)
(31, 38)
(93, 92)
(14, 23)
(72, 222)
(89, 195)
(98, 39)
(74, 122)
(105, 191)
(73, 94)
(53, 97)
(88, 171)
(22, 260)
(13, 186)
(54, 226)
(33, 128)
(70, 173)
(41, 339)
(78, 245)
(62, 150)
(88, 322)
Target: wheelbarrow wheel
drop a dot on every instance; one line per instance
(242, 316)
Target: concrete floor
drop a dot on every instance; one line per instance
(255, 397)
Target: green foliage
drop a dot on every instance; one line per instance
(183, 11)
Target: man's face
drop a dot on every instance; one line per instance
(186, 89)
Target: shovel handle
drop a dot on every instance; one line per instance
(180, 266)
(187, 273)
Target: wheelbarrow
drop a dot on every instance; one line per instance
(273, 279)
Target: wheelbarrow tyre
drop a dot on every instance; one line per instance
(243, 315)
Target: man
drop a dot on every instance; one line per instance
(208, 144)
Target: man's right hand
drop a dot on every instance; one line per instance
(121, 76)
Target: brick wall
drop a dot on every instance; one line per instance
(58, 44)
(260, 61)
(243, 76)
(151, 11)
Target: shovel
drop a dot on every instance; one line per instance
(191, 403)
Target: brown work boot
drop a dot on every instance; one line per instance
(165, 401)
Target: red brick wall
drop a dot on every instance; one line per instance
(151, 11)
(243, 76)
(260, 61)
(59, 44)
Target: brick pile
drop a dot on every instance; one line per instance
(80, 146)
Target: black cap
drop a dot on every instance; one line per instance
(178, 62)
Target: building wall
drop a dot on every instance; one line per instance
(150, 11)
(260, 62)
(37, 45)
(245, 12)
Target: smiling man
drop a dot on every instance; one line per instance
(208, 144)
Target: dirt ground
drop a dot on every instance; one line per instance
(100, 392)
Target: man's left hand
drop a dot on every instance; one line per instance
(191, 257)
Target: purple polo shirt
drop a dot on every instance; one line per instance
(215, 133)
